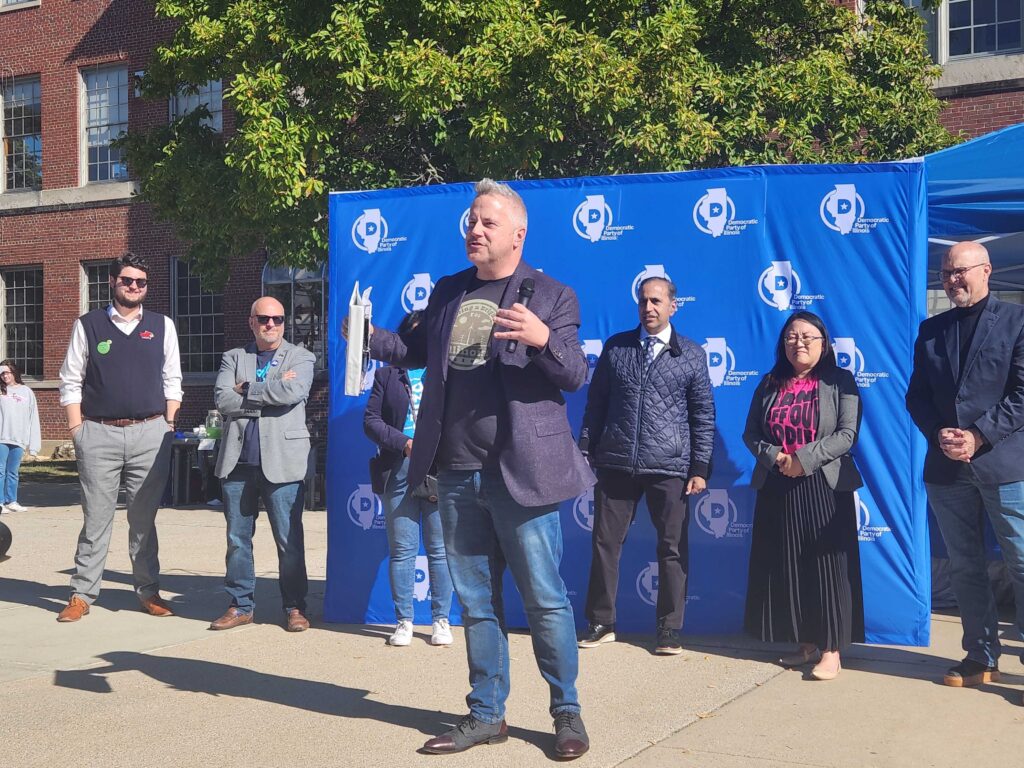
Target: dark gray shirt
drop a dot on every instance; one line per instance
(251, 443)
(475, 412)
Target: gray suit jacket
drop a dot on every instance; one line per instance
(839, 412)
(279, 404)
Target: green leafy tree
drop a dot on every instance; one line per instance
(378, 93)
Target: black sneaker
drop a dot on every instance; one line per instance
(969, 673)
(668, 643)
(597, 634)
(571, 738)
(467, 733)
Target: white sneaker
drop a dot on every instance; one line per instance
(442, 633)
(13, 506)
(3, 509)
(402, 634)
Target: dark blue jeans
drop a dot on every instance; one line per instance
(485, 530)
(960, 509)
(283, 502)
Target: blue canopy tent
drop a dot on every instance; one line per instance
(976, 192)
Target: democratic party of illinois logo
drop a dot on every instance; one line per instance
(779, 286)
(722, 364)
(849, 357)
(592, 220)
(715, 214)
(368, 374)
(655, 270)
(583, 510)
(370, 232)
(592, 349)
(865, 530)
(365, 509)
(717, 515)
(464, 223)
(647, 583)
(421, 581)
(416, 292)
(842, 210)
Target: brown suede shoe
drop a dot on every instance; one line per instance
(296, 621)
(74, 610)
(154, 605)
(232, 618)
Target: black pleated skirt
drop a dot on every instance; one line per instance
(804, 581)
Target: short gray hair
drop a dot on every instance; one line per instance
(669, 286)
(496, 188)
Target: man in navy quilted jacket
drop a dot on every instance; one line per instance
(648, 431)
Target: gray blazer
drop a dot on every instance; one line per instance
(839, 412)
(279, 404)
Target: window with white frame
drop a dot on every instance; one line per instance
(7, 3)
(106, 118)
(962, 29)
(22, 134)
(984, 26)
(199, 317)
(95, 286)
(23, 318)
(303, 293)
(209, 95)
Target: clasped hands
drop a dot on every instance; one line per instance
(960, 444)
(789, 465)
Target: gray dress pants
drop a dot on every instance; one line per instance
(142, 454)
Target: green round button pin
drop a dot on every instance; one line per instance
(104, 346)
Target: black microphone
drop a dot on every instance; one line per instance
(525, 294)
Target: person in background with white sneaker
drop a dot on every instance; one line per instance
(19, 431)
(390, 422)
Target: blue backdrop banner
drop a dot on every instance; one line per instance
(746, 247)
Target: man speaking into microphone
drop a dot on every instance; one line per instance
(500, 343)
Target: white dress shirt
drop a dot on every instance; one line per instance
(664, 336)
(72, 372)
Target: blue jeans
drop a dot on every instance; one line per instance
(404, 513)
(485, 529)
(283, 502)
(959, 510)
(10, 463)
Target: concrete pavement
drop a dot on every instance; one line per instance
(121, 688)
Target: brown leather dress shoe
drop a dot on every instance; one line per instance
(468, 732)
(232, 618)
(155, 605)
(74, 610)
(296, 621)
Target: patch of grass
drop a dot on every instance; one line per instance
(50, 472)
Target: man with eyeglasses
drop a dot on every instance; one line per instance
(648, 429)
(121, 390)
(966, 395)
(261, 392)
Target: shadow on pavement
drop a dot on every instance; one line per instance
(215, 679)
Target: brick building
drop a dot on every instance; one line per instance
(67, 72)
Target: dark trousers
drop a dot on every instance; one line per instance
(615, 500)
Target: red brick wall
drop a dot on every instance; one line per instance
(975, 115)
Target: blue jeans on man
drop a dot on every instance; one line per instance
(10, 464)
(485, 530)
(405, 514)
(960, 509)
(283, 503)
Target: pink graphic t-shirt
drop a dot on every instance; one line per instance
(792, 420)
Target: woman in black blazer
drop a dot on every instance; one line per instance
(804, 581)
(390, 421)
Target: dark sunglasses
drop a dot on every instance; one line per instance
(264, 319)
(127, 282)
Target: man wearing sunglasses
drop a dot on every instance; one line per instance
(121, 390)
(966, 395)
(261, 391)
